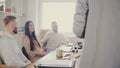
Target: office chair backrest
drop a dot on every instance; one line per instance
(43, 32)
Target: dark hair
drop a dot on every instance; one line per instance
(31, 36)
(7, 19)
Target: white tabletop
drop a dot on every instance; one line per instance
(50, 60)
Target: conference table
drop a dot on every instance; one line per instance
(50, 60)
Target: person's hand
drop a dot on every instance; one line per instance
(28, 62)
(30, 66)
(45, 49)
(41, 53)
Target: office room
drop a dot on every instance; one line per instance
(59, 34)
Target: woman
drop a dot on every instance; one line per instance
(32, 48)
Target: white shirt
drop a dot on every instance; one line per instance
(10, 52)
(52, 40)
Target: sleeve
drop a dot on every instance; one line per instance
(80, 17)
(11, 61)
(22, 56)
(10, 58)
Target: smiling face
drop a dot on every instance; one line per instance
(31, 27)
(12, 26)
(54, 27)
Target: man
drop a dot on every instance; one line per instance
(102, 38)
(53, 39)
(9, 51)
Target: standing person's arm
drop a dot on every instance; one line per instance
(80, 17)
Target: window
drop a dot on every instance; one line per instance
(61, 12)
(2, 5)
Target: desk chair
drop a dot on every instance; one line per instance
(42, 33)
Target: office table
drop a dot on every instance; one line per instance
(50, 61)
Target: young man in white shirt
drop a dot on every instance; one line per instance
(9, 50)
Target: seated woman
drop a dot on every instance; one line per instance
(32, 49)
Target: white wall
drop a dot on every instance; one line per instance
(34, 13)
(39, 16)
(21, 21)
(1, 21)
(31, 4)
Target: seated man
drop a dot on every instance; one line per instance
(53, 39)
(9, 51)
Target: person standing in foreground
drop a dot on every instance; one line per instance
(102, 38)
(9, 50)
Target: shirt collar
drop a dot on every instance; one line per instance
(9, 35)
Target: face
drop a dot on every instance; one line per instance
(31, 27)
(13, 26)
(54, 27)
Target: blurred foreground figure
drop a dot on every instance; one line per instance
(102, 37)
